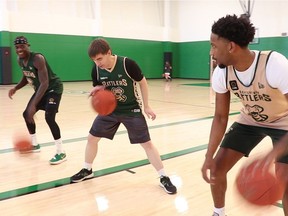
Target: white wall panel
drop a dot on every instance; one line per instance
(195, 17)
(167, 20)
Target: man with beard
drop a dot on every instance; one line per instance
(260, 80)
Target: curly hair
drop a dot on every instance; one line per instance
(239, 30)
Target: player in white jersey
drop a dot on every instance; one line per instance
(260, 80)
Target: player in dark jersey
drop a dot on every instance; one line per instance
(121, 75)
(48, 92)
(167, 71)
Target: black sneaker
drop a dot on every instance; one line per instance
(167, 185)
(82, 175)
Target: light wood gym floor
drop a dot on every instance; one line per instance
(125, 184)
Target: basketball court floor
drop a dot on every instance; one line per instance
(125, 184)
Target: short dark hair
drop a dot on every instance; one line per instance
(237, 29)
(98, 46)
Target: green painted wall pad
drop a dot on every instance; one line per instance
(67, 54)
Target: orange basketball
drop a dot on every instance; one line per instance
(22, 144)
(104, 102)
(257, 187)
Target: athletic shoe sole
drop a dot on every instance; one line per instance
(58, 162)
(169, 192)
(85, 178)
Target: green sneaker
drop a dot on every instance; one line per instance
(58, 158)
(35, 148)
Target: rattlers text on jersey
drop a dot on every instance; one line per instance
(123, 86)
(261, 103)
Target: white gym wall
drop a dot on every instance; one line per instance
(162, 20)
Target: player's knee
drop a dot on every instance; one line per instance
(147, 145)
(50, 117)
(218, 170)
(25, 114)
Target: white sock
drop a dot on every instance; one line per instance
(161, 172)
(58, 144)
(88, 166)
(34, 139)
(220, 211)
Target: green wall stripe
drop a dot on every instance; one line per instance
(5, 40)
(198, 84)
(67, 54)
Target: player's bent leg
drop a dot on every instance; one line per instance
(90, 154)
(155, 159)
(225, 159)
(54, 128)
(32, 131)
(91, 148)
(60, 155)
(30, 126)
(153, 155)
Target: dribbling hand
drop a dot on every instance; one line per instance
(11, 93)
(95, 89)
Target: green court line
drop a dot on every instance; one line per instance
(198, 84)
(65, 181)
(8, 150)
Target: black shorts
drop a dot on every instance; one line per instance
(243, 138)
(49, 102)
(107, 126)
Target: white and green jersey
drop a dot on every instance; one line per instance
(122, 81)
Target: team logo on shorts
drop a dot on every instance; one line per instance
(233, 85)
(52, 101)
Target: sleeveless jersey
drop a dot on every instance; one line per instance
(123, 87)
(31, 74)
(262, 104)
